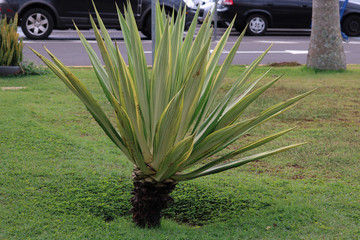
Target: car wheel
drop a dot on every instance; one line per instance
(146, 29)
(37, 23)
(351, 25)
(257, 25)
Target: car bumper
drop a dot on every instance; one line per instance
(227, 14)
(190, 13)
(204, 9)
(223, 13)
(6, 10)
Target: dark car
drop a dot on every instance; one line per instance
(39, 17)
(264, 14)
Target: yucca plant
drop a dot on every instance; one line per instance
(11, 49)
(166, 120)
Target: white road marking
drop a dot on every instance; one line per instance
(57, 41)
(297, 51)
(293, 52)
(50, 41)
(278, 42)
(259, 52)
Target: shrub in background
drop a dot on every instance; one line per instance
(31, 68)
(166, 121)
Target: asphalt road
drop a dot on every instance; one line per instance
(289, 46)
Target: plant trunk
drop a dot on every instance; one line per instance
(150, 198)
(326, 51)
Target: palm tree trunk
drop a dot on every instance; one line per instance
(326, 51)
(150, 198)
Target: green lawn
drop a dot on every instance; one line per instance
(61, 178)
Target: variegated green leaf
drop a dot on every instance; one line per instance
(176, 155)
(244, 100)
(98, 67)
(167, 129)
(130, 140)
(238, 162)
(160, 87)
(193, 84)
(210, 123)
(235, 153)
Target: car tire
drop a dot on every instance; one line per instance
(37, 23)
(351, 25)
(240, 28)
(146, 29)
(257, 25)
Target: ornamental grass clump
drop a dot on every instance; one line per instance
(10, 47)
(166, 120)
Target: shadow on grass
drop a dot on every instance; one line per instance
(108, 198)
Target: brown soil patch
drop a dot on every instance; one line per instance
(285, 64)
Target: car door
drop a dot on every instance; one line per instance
(69, 10)
(108, 13)
(284, 13)
(305, 13)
